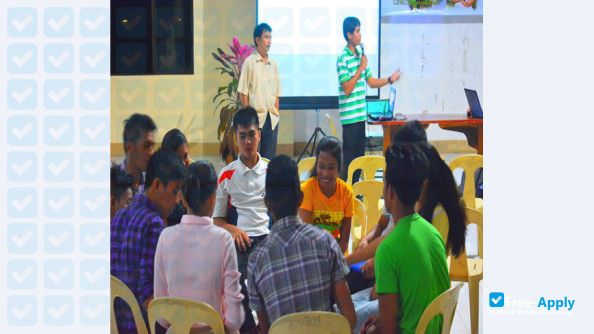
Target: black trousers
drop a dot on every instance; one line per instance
(269, 139)
(353, 146)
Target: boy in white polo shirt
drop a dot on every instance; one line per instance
(240, 207)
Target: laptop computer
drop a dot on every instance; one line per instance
(382, 110)
(473, 103)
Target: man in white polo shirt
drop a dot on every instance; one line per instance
(353, 73)
(240, 207)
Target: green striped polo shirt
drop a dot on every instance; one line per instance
(353, 108)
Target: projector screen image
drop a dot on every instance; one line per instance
(307, 39)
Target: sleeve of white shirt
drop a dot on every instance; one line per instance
(222, 200)
(160, 284)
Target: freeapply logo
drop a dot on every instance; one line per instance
(517, 306)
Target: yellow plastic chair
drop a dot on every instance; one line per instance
(372, 192)
(357, 225)
(332, 126)
(311, 322)
(444, 304)
(469, 163)
(368, 165)
(181, 314)
(441, 223)
(119, 289)
(305, 165)
(463, 269)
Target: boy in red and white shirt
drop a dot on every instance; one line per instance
(240, 207)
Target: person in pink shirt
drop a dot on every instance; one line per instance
(196, 259)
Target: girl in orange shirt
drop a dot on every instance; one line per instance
(328, 200)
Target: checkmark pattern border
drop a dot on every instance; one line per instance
(43, 234)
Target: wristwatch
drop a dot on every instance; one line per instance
(390, 80)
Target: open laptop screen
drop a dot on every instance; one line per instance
(473, 103)
(392, 100)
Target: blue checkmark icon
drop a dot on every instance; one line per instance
(58, 22)
(58, 130)
(22, 238)
(22, 58)
(22, 22)
(94, 130)
(21, 130)
(22, 94)
(22, 310)
(94, 22)
(496, 299)
(58, 310)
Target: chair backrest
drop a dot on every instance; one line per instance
(469, 163)
(119, 289)
(372, 192)
(332, 126)
(311, 322)
(441, 223)
(459, 265)
(305, 165)
(357, 224)
(444, 304)
(181, 314)
(368, 165)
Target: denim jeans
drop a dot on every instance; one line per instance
(242, 262)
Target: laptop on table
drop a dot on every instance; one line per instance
(382, 110)
(473, 103)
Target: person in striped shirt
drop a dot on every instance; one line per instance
(353, 73)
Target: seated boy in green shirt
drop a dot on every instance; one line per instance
(410, 264)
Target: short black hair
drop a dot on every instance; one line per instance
(259, 30)
(120, 181)
(200, 183)
(328, 144)
(406, 170)
(135, 125)
(282, 186)
(245, 117)
(411, 132)
(349, 25)
(165, 166)
(173, 139)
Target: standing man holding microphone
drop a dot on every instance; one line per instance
(352, 101)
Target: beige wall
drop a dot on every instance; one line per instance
(185, 101)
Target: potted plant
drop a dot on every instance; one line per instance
(228, 98)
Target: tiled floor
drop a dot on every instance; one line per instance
(461, 324)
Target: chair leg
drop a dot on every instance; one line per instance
(473, 293)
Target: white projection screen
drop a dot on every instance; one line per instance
(307, 39)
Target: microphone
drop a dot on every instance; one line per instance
(362, 49)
